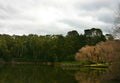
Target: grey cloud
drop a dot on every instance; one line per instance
(14, 21)
(8, 12)
(74, 23)
(11, 9)
(70, 22)
(80, 26)
(106, 18)
(8, 9)
(95, 5)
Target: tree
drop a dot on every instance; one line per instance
(88, 53)
(109, 37)
(48, 48)
(6, 45)
(93, 36)
(72, 43)
(108, 52)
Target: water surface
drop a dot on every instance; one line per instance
(50, 74)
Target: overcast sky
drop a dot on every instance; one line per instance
(55, 16)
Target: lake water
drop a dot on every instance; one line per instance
(50, 74)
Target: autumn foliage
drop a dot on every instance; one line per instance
(108, 51)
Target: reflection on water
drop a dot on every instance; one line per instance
(34, 74)
(89, 76)
(48, 74)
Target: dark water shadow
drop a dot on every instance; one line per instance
(50, 74)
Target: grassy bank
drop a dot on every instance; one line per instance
(85, 64)
(62, 64)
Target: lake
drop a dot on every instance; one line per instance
(51, 74)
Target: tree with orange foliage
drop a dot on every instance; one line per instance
(102, 52)
(87, 53)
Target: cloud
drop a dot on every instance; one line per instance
(54, 16)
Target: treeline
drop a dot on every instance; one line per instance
(47, 48)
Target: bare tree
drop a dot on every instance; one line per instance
(116, 28)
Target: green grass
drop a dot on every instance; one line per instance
(99, 65)
(88, 64)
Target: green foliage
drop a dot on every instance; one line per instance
(85, 62)
(93, 36)
(48, 48)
